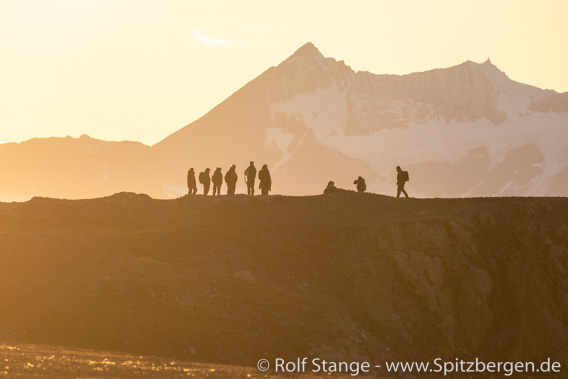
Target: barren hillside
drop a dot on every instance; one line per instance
(235, 279)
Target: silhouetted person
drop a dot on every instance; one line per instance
(205, 180)
(265, 184)
(401, 178)
(231, 180)
(217, 180)
(191, 183)
(250, 176)
(360, 183)
(331, 188)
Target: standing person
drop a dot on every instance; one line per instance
(205, 180)
(361, 185)
(231, 180)
(217, 181)
(265, 181)
(401, 178)
(191, 183)
(250, 176)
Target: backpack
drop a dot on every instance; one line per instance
(405, 176)
(202, 177)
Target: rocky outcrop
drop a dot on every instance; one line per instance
(556, 102)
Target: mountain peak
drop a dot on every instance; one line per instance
(308, 49)
(487, 68)
(308, 52)
(490, 65)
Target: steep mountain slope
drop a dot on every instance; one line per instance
(236, 279)
(462, 131)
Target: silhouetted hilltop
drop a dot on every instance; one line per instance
(235, 279)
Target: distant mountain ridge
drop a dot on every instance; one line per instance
(466, 130)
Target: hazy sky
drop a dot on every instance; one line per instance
(141, 69)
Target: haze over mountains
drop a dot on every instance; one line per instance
(462, 131)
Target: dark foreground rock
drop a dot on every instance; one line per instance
(347, 277)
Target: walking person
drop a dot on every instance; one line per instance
(250, 176)
(191, 183)
(231, 180)
(205, 180)
(401, 179)
(217, 181)
(265, 185)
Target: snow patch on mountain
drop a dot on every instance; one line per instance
(514, 98)
(288, 155)
(436, 142)
(105, 173)
(276, 136)
(324, 111)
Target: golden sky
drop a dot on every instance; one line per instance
(142, 69)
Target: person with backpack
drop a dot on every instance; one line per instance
(265, 181)
(231, 180)
(361, 185)
(205, 180)
(217, 180)
(401, 178)
(250, 176)
(191, 183)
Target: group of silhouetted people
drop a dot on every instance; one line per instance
(401, 178)
(265, 181)
(231, 178)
